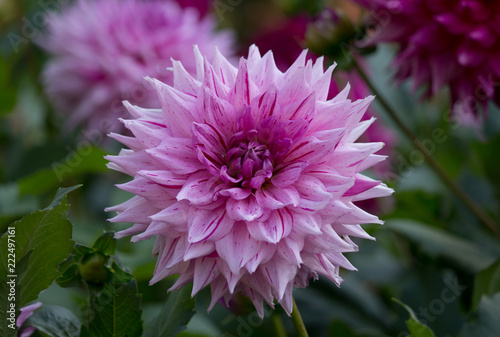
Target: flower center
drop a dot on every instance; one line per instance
(248, 162)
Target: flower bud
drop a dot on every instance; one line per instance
(93, 268)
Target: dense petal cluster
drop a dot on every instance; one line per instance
(444, 43)
(103, 48)
(247, 177)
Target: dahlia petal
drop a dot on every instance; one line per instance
(183, 80)
(289, 250)
(224, 69)
(340, 260)
(246, 209)
(375, 192)
(289, 174)
(265, 105)
(219, 115)
(265, 254)
(322, 85)
(307, 223)
(177, 108)
(313, 194)
(231, 278)
(237, 248)
(279, 273)
(273, 229)
(147, 189)
(176, 155)
(212, 81)
(150, 135)
(185, 276)
(320, 263)
(200, 249)
(208, 225)
(301, 109)
(290, 91)
(218, 288)
(164, 178)
(334, 183)
(211, 139)
(361, 185)
(205, 271)
(287, 301)
(272, 197)
(329, 240)
(236, 193)
(257, 300)
(130, 142)
(176, 214)
(136, 228)
(265, 73)
(244, 90)
(356, 216)
(131, 162)
(353, 230)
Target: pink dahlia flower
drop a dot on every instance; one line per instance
(103, 48)
(444, 43)
(26, 312)
(247, 177)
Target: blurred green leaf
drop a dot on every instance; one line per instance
(487, 282)
(86, 160)
(55, 321)
(416, 328)
(114, 311)
(105, 244)
(486, 322)
(174, 316)
(8, 94)
(437, 242)
(487, 157)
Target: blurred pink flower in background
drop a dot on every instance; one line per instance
(286, 39)
(248, 177)
(102, 49)
(203, 6)
(450, 43)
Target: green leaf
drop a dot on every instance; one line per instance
(80, 251)
(55, 321)
(487, 282)
(174, 316)
(119, 275)
(60, 194)
(486, 322)
(105, 244)
(7, 315)
(437, 242)
(416, 328)
(114, 311)
(69, 277)
(42, 241)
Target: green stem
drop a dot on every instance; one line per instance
(297, 321)
(278, 326)
(478, 211)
